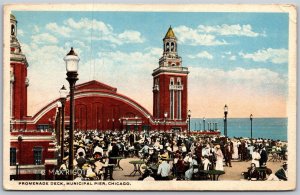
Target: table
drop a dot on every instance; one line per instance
(214, 174)
(137, 167)
(118, 158)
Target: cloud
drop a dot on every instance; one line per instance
(36, 29)
(225, 30)
(256, 78)
(44, 38)
(131, 36)
(276, 56)
(256, 90)
(98, 30)
(62, 30)
(193, 37)
(233, 58)
(203, 54)
(20, 32)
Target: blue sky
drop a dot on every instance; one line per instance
(239, 59)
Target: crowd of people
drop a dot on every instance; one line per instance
(169, 155)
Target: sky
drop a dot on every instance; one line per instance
(238, 59)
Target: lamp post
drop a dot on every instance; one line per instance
(165, 115)
(148, 117)
(136, 127)
(251, 118)
(120, 122)
(57, 125)
(126, 125)
(49, 120)
(71, 60)
(98, 124)
(225, 119)
(63, 96)
(204, 123)
(113, 124)
(189, 115)
(17, 171)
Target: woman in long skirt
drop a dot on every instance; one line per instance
(219, 158)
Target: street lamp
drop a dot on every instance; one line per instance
(71, 60)
(148, 117)
(63, 96)
(136, 126)
(49, 124)
(189, 115)
(165, 115)
(251, 118)
(126, 125)
(113, 124)
(57, 122)
(225, 120)
(120, 122)
(204, 123)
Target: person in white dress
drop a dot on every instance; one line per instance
(206, 163)
(235, 154)
(219, 158)
(255, 157)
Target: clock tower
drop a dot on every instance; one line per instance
(18, 80)
(170, 82)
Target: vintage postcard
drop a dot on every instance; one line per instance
(149, 97)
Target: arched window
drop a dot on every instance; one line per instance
(172, 47)
(12, 29)
(167, 47)
(172, 81)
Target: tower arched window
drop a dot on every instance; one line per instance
(13, 30)
(172, 47)
(172, 81)
(167, 47)
(178, 81)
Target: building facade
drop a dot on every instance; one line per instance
(98, 106)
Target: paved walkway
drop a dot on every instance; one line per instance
(231, 173)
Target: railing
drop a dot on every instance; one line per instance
(175, 87)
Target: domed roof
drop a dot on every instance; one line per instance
(12, 17)
(170, 33)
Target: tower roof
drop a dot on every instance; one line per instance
(12, 17)
(170, 33)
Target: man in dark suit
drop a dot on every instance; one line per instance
(81, 160)
(253, 174)
(228, 151)
(282, 173)
(263, 156)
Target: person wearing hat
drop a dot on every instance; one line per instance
(193, 168)
(228, 151)
(263, 155)
(80, 160)
(81, 149)
(282, 173)
(253, 174)
(164, 169)
(271, 176)
(219, 158)
(64, 165)
(148, 175)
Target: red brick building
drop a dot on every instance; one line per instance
(98, 106)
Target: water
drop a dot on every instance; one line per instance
(270, 128)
